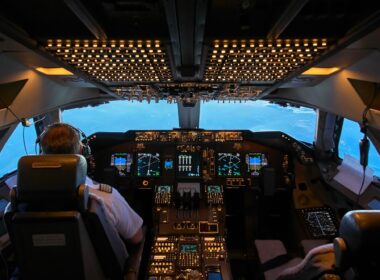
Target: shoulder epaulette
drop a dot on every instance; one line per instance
(105, 188)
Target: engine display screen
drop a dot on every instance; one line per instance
(122, 162)
(189, 248)
(188, 165)
(256, 161)
(214, 189)
(148, 165)
(229, 164)
(164, 189)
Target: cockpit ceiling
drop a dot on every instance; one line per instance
(119, 62)
(202, 49)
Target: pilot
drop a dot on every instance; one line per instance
(62, 138)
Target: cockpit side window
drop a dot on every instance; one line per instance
(349, 145)
(21, 142)
(298, 122)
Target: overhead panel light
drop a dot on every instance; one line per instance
(54, 71)
(259, 60)
(320, 71)
(115, 61)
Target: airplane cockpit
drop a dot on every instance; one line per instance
(219, 198)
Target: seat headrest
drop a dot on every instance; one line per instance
(50, 177)
(359, 239)
(361, 231)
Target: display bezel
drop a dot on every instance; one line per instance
(182, 176)
(145, 175)
(251, 172)
(158, 187)
(218, 165)
(208, 188)
(129, 156)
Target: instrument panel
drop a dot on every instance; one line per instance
(188, 173)
(148, 158)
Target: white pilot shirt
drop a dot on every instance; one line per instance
(126, 221)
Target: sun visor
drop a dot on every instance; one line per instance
(9, 92)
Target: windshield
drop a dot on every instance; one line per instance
(259, 116)
(252, 115)
(122, 116)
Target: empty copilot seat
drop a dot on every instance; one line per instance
(354, 255)
(357, 249)
(274, 258)
(56, 230)
(277, 264)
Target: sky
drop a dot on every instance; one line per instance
(120, 116)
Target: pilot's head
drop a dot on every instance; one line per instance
(60, 138)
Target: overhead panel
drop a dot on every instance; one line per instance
(235, 69)
(188, 93)
(259, 61)
(115, 61)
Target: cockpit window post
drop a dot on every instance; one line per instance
(328, 131)
(188, 113)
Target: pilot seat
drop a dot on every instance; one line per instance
(57, 230)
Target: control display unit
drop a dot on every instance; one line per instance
(122, 162)
(320, 222)
(148, 165)
(163, 195)
(256, 161)
(164, 189)
(229, 164)
(214, 189)
(214, 194)
(188, 165)
(214, 275)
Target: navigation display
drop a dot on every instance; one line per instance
(229, 164)
(188, 165)
(214, 189)
(148, 164)
(122, 162)
(189, 248)
(256, 161)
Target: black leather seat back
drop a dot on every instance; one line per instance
(358, 246)
(109, 246)
(47, 245)
(44, 219)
